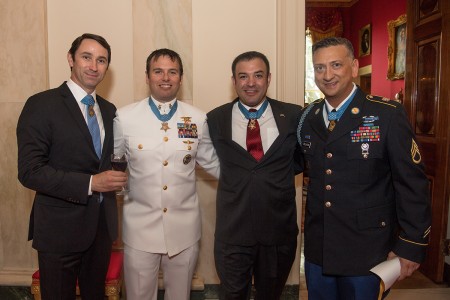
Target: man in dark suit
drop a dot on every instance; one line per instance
(74, 217)
(368, 194)
(256, 226)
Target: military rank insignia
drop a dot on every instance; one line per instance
(372, 97)
(187, 129)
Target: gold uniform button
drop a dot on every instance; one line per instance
(328, 172)
(165, 209)
(329, 155)
(189, 147)
(140, 146)
(383, 224)
(165, 163)
(166, 139)
(328, 187)
(328, 204)
(165, 187)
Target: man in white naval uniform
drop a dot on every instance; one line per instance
(163, 139)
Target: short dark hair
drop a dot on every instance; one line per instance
(334, 41)
(249, 56)
(164, 52)
(101, 40)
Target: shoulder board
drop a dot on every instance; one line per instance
(313, 103)
(382, 100)
(305, 112)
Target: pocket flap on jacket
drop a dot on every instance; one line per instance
(376, 217)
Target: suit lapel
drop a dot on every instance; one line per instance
(106, 120)
(227, 129)
(74, 109)
(280, 116)
(227, 119)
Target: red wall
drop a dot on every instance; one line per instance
(378, 13)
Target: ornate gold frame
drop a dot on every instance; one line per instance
(396, 67)
(365, 30)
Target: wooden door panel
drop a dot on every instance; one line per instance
(428, 70)
(426, 101)
(428, 152)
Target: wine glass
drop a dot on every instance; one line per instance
(119, 162)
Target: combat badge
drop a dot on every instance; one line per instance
(415, 153)
(186, 120)
(187, 159)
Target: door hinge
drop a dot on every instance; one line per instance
(447, 247)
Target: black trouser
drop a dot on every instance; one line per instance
(59, 272)
(269, 265)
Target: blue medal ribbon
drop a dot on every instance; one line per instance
(336, 115)
(254, 114)
(165, 117)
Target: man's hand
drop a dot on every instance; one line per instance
(407, 267)
(109, 181)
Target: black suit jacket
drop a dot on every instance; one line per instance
(56, 158)
(256, 200)
(367, 192)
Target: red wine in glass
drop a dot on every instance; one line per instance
(119, 163)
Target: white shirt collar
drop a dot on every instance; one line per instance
(330, 108)
(164, 107)
(248, 107)
(78, 92)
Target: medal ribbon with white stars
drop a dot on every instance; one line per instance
(163, 118)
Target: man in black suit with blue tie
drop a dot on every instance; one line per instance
(65, 141)
(256, 226)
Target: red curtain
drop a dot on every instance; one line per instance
(324, 22)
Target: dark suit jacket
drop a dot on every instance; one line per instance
(355, 202)
(256, 200)
(56, 158)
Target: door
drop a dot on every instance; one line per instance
(427, 95)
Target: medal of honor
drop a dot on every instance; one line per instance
(166, 117)
(331, 125)
(251, 124)
(165, 126)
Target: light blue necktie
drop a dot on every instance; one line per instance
(92, 122)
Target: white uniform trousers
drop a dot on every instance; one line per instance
(141, 273)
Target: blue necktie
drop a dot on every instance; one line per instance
(92, 122)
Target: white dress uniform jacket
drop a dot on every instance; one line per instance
(161, 213)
